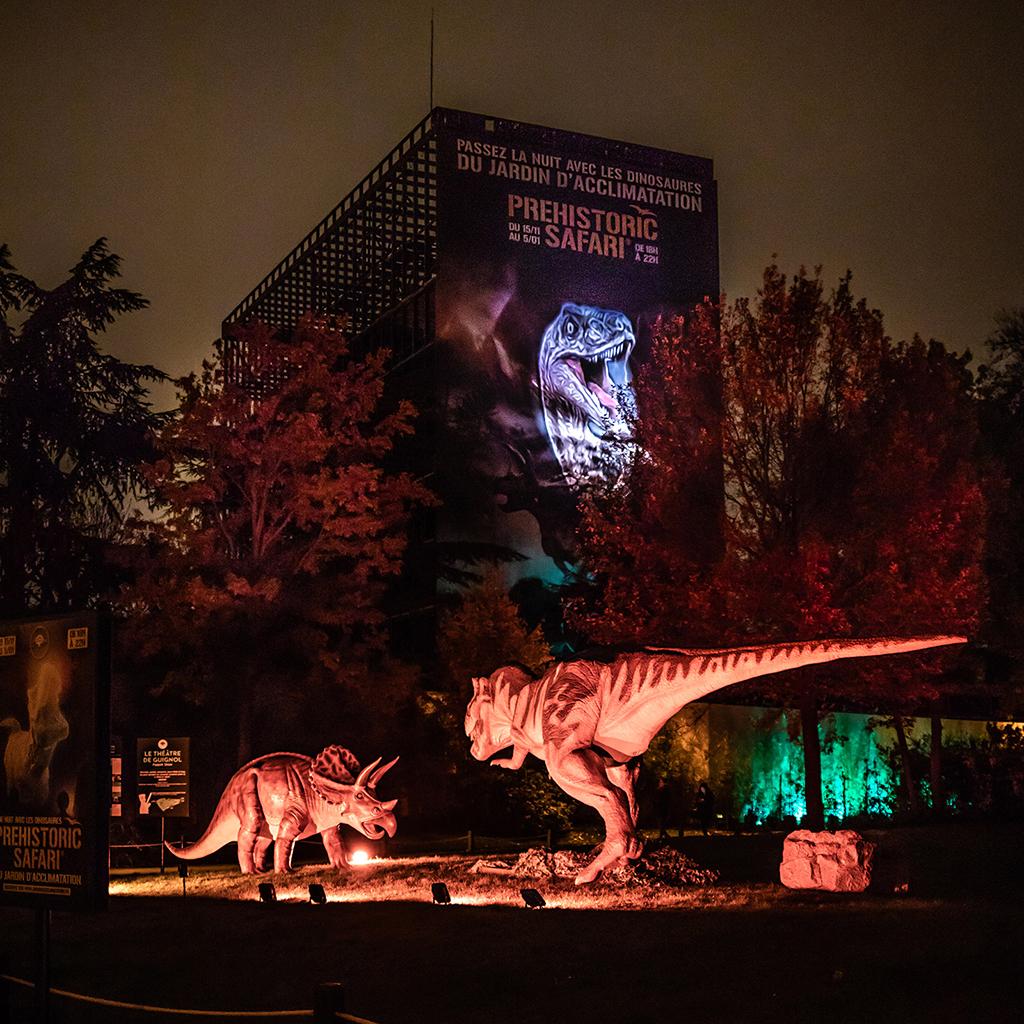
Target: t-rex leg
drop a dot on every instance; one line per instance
(293, 824)
(582, 774)
(624, 776)
(251, 825)
(335, 848)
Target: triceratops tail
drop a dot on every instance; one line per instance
(223, 829)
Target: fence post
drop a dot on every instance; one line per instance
(551, 840)
(469, 841)
(328, 1000)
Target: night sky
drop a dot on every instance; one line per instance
(204, 139)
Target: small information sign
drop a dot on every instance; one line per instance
(163, 776)
(116, 777)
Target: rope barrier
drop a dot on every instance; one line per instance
(118, 1004)
(142, 1007)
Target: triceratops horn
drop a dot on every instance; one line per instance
(365, 773)
(389, 805)
(379, 773)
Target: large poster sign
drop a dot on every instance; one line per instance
(54, 803)
(163, 776)
(558, 254)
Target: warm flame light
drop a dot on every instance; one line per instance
(359, 857)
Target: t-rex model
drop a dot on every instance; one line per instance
(584, 378)
(591, 721)
(281, 798)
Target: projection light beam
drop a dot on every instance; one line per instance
(281, 798)
(591, 721)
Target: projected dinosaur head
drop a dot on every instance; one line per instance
(585, 387)
(332, 775)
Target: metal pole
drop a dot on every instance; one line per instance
(163, 849)
(42, 993)
(431, 107)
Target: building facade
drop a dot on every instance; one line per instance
(516, 274)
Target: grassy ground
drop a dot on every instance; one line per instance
(745, 950)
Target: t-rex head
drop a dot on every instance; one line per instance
(488, 723)
(332, 774)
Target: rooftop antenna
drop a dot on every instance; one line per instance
(431, 58)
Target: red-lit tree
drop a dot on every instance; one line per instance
(278, 534)
(917, 532)
(852, 505)
(649, 543)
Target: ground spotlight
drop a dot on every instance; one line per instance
(359, 857)
(440, 893)
(268, 894)
(532, 898)
(317, 894)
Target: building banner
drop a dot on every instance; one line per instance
(55, 800)
(557, 255)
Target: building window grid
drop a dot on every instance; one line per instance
(372, 258)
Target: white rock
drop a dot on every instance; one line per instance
(833, 861)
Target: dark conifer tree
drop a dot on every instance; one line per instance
(74, 433)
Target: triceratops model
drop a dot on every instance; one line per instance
(280, 798)
(591, 721)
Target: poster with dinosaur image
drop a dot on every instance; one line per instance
(558, 253)
(55, 792)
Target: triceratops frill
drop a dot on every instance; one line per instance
(281, 798)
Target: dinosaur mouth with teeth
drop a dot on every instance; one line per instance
(585, 386)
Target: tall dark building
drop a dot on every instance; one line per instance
(515, 273)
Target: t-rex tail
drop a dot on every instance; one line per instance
(649, 688)
(708, 670)
(223, 829)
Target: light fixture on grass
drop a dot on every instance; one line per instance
(268, 894)
(439, 891)
(532, 899)
(359, 857)
(317, 894)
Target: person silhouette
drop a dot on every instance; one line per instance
(662, 805)
(705, 806)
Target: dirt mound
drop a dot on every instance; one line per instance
(660, 865)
